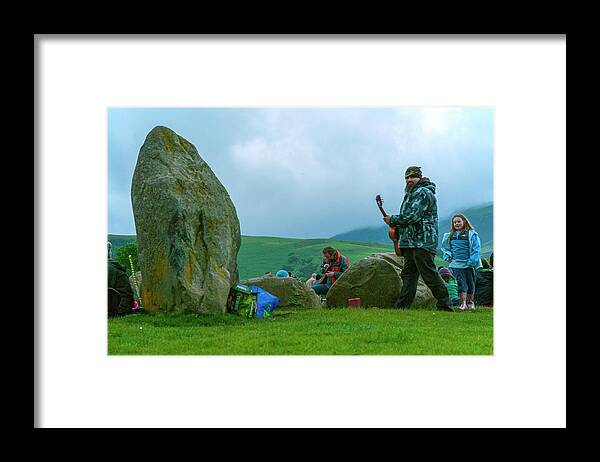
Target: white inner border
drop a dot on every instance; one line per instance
(523, 384)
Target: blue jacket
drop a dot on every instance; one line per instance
(474, 260)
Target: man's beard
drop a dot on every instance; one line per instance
(409, 187)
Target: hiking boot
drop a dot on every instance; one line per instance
(470, 302)
(444, 305)
(138, 310)
(463, 302)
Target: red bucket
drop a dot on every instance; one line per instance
(354, 302)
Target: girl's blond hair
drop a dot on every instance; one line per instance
(467, 226)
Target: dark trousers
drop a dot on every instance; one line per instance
(420, 261)
(465, 279)
(320, 289)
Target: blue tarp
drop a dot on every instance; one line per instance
(265, 302)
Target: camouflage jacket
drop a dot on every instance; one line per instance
(417, 222)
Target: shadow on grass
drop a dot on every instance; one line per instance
(184, 320)
(229, 319)
(198, 320)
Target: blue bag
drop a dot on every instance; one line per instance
(265, 302)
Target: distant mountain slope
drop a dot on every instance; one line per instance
(481, 217)
(372, 234)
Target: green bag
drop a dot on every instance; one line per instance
(242, 301)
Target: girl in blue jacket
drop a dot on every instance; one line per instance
(461, 247)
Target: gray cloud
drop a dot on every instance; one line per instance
(315, 172)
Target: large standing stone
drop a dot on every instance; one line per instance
(290, 291)
(187, 228)
(376, 281)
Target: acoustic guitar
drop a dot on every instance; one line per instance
(393, 232)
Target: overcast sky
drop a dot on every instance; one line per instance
(299, 172)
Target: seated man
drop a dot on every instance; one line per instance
(451, 285)
(334, 264)
(311, 280)
(118, 282)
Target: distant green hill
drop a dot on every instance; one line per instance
(300, 256)
(259, 254)
(119, 240)
(481, 217)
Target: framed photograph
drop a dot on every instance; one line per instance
(233, 157)
(281, 210)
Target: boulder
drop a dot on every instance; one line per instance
(187, 228)
(291, 291)
(376, 281)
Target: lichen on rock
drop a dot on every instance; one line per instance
(187, 228)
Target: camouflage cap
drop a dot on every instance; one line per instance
(413, 170)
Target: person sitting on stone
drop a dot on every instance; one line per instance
(282, 273)
(334, 264)
(310, 281)
(120, 293)
(451, 285)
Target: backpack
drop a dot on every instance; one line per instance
(242, 301)
(119, 282)
(251, 301)
(114, 300)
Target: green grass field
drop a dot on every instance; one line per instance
(258, 255)
(299, 331)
